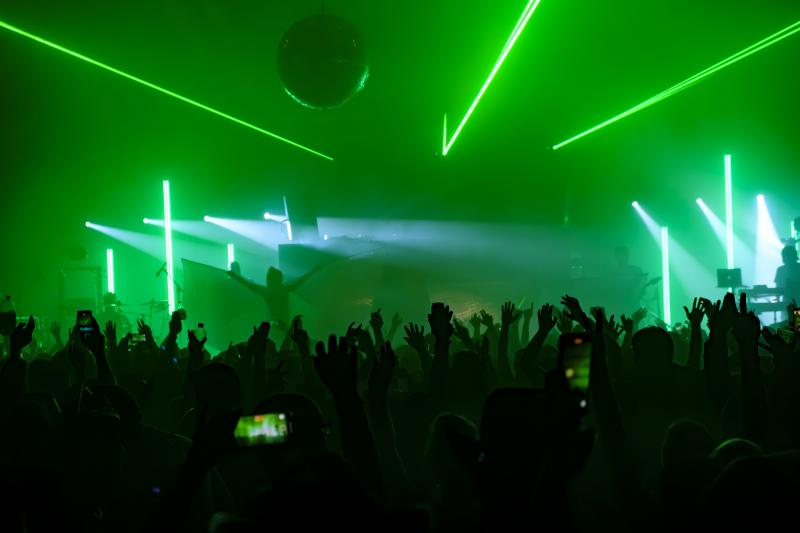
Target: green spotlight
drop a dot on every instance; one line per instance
(231, 258)
(168, 240)
(729, 211)
(160, 89)
(520, 26)
(110, 270)
(667, 317)
(685, 84)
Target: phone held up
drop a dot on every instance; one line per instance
(268, 428)
(86, 326)
(575, 352)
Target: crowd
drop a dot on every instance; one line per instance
(456, 426)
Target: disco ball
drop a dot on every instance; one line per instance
(322, 61)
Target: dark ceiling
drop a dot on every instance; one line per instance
(68, 126)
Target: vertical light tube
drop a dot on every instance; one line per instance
(168, 241)
(729, 211)
(665, 274)
(110, 270)
(231, 258)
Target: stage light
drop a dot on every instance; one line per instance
(635, 204)
(729, 211)
(267, 216)
(160, 89)
(88, 224)
(520, 26)
(168, 240)
(652, 226)
(735, 58)
(110, 270)
(146, 243)
(716, 224)
(231, 257)
(667, 315)
(768, 245)
(206, 218)
(267, 235)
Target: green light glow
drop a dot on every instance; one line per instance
(231, 257)
(735, 58)
(110, 270)
(520, 26)
(665, 274)
(160, 89)
(729, 211)
(168, 240)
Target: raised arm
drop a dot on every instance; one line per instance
(255, 287)
(695, 318)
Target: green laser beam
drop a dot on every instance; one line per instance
(520, 26)
(160, 89)
(735, 58)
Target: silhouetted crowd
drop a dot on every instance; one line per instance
(456, 426)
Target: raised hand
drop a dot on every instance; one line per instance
(111, 335)
(547, 319)
(376, 320)
(627, 325)
(639, 315)
(415, 337)
(615, 329)
(573, 308)
(508, 314)
(55, 331)
(486, 319)
(475, 321)
(257, 343)
(352, 333)
(21, 336)
(145, 330)
(695, 316)
(439, 320)
(563, 321)
(337, 367)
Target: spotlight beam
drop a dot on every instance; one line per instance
(162, 90)
(518, 29)
(685, 84)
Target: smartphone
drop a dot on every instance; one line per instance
(796, 321)
(85, 324)
(137, 339)
(575, 350)
(269, 428)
